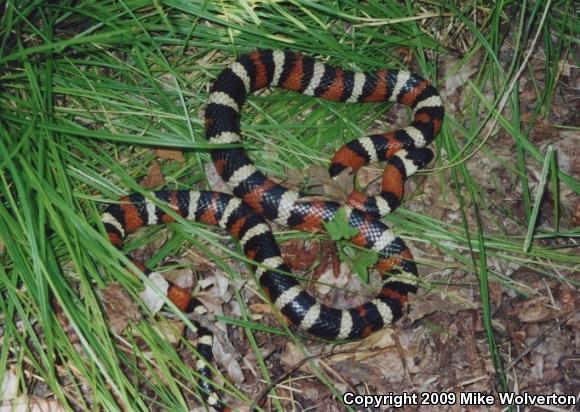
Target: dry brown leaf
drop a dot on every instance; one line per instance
(229, 361)
(9, 386)
(495, 294)
(519, 337)
(170, 330)
(199, 260)
(340, 187)
(170, 154)
(405, 54)
(119, 307)
(298, 254)
(154, 176)
(565, 68)
(292, 355)
(542, 130)
(560, 110)
(537, 310)
(568, 298)
(336, 189)
(182, 277)
(144, 254)
(328, 258)
(328, 280)
(150, 296)
(367, 347)
(370, 178)
(261, 308)
(294, 178)
(424, 305)
(367, 373)
(220, 284)
(216, 289)
(458, 75)
(31, 404)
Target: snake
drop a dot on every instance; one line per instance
(258, 200)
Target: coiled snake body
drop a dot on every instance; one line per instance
(258, 199)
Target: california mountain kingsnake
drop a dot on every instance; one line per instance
(258, 199)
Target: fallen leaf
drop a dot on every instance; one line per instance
(321, 184)
(9, 387)
(425, 305)
(495, 294)
(154, 176)
(151, 298)
(261, 308)
(25, 403)
(458, 75)
(182, 277)
(292, 355)
(295, 178)
(299, 254)
(338, 188)
(537, 310)
(119, 307)
(568, 298)
(229, 361)
(170, 330)
(367, 347)
(370, 177)
(170, 154)
(328, 280)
